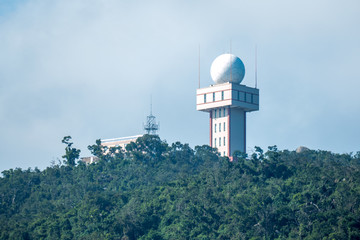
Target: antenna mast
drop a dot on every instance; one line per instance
(151, 127)
(150, 104)
(255, 66)
(230, 62)
(199, 66)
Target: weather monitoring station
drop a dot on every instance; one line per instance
(227, 102)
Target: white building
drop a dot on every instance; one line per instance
(227, 102)
(119, 142)
(109, 143)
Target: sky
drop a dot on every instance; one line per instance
(89, 68)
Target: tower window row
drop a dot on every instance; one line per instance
(246, 97)
(223, 141)
(237, 95)
(219, 112)
(223, 127)
(214, 96)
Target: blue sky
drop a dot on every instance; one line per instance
(87, 69)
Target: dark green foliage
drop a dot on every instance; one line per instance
(161, 191)
(97, 149)
(71, 154)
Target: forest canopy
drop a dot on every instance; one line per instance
(156, 190)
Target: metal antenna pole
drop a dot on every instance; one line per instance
(255, 66)
(230, 62)
(230, 46)
(199, 66)
(150, 104)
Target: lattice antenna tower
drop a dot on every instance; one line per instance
(151, 126)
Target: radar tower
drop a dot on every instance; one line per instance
(227, 103)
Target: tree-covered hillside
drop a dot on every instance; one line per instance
(161, 191)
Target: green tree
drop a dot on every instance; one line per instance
(97, 149)
(71, 154)
(160, 191)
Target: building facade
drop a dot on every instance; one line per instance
(109, 143)
(119, 142)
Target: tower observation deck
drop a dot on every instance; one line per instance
(227, 102)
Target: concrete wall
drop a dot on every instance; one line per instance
(237, 130)
(220, 130)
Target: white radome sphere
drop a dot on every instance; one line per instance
(227, 68)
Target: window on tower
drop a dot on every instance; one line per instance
(224, 141)
(224, 127)
(255, 99)
(213, 97)
(215, 128)
(219, 141)
(248, 97)
(214, 142)
(242, 96)
(204, 98)
(219, 127)
(222, 95)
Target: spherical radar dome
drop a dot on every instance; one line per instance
(227, 68)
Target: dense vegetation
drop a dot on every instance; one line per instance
(161, 191)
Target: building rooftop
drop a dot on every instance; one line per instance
(120, 139)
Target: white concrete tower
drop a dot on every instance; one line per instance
(227, 102)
